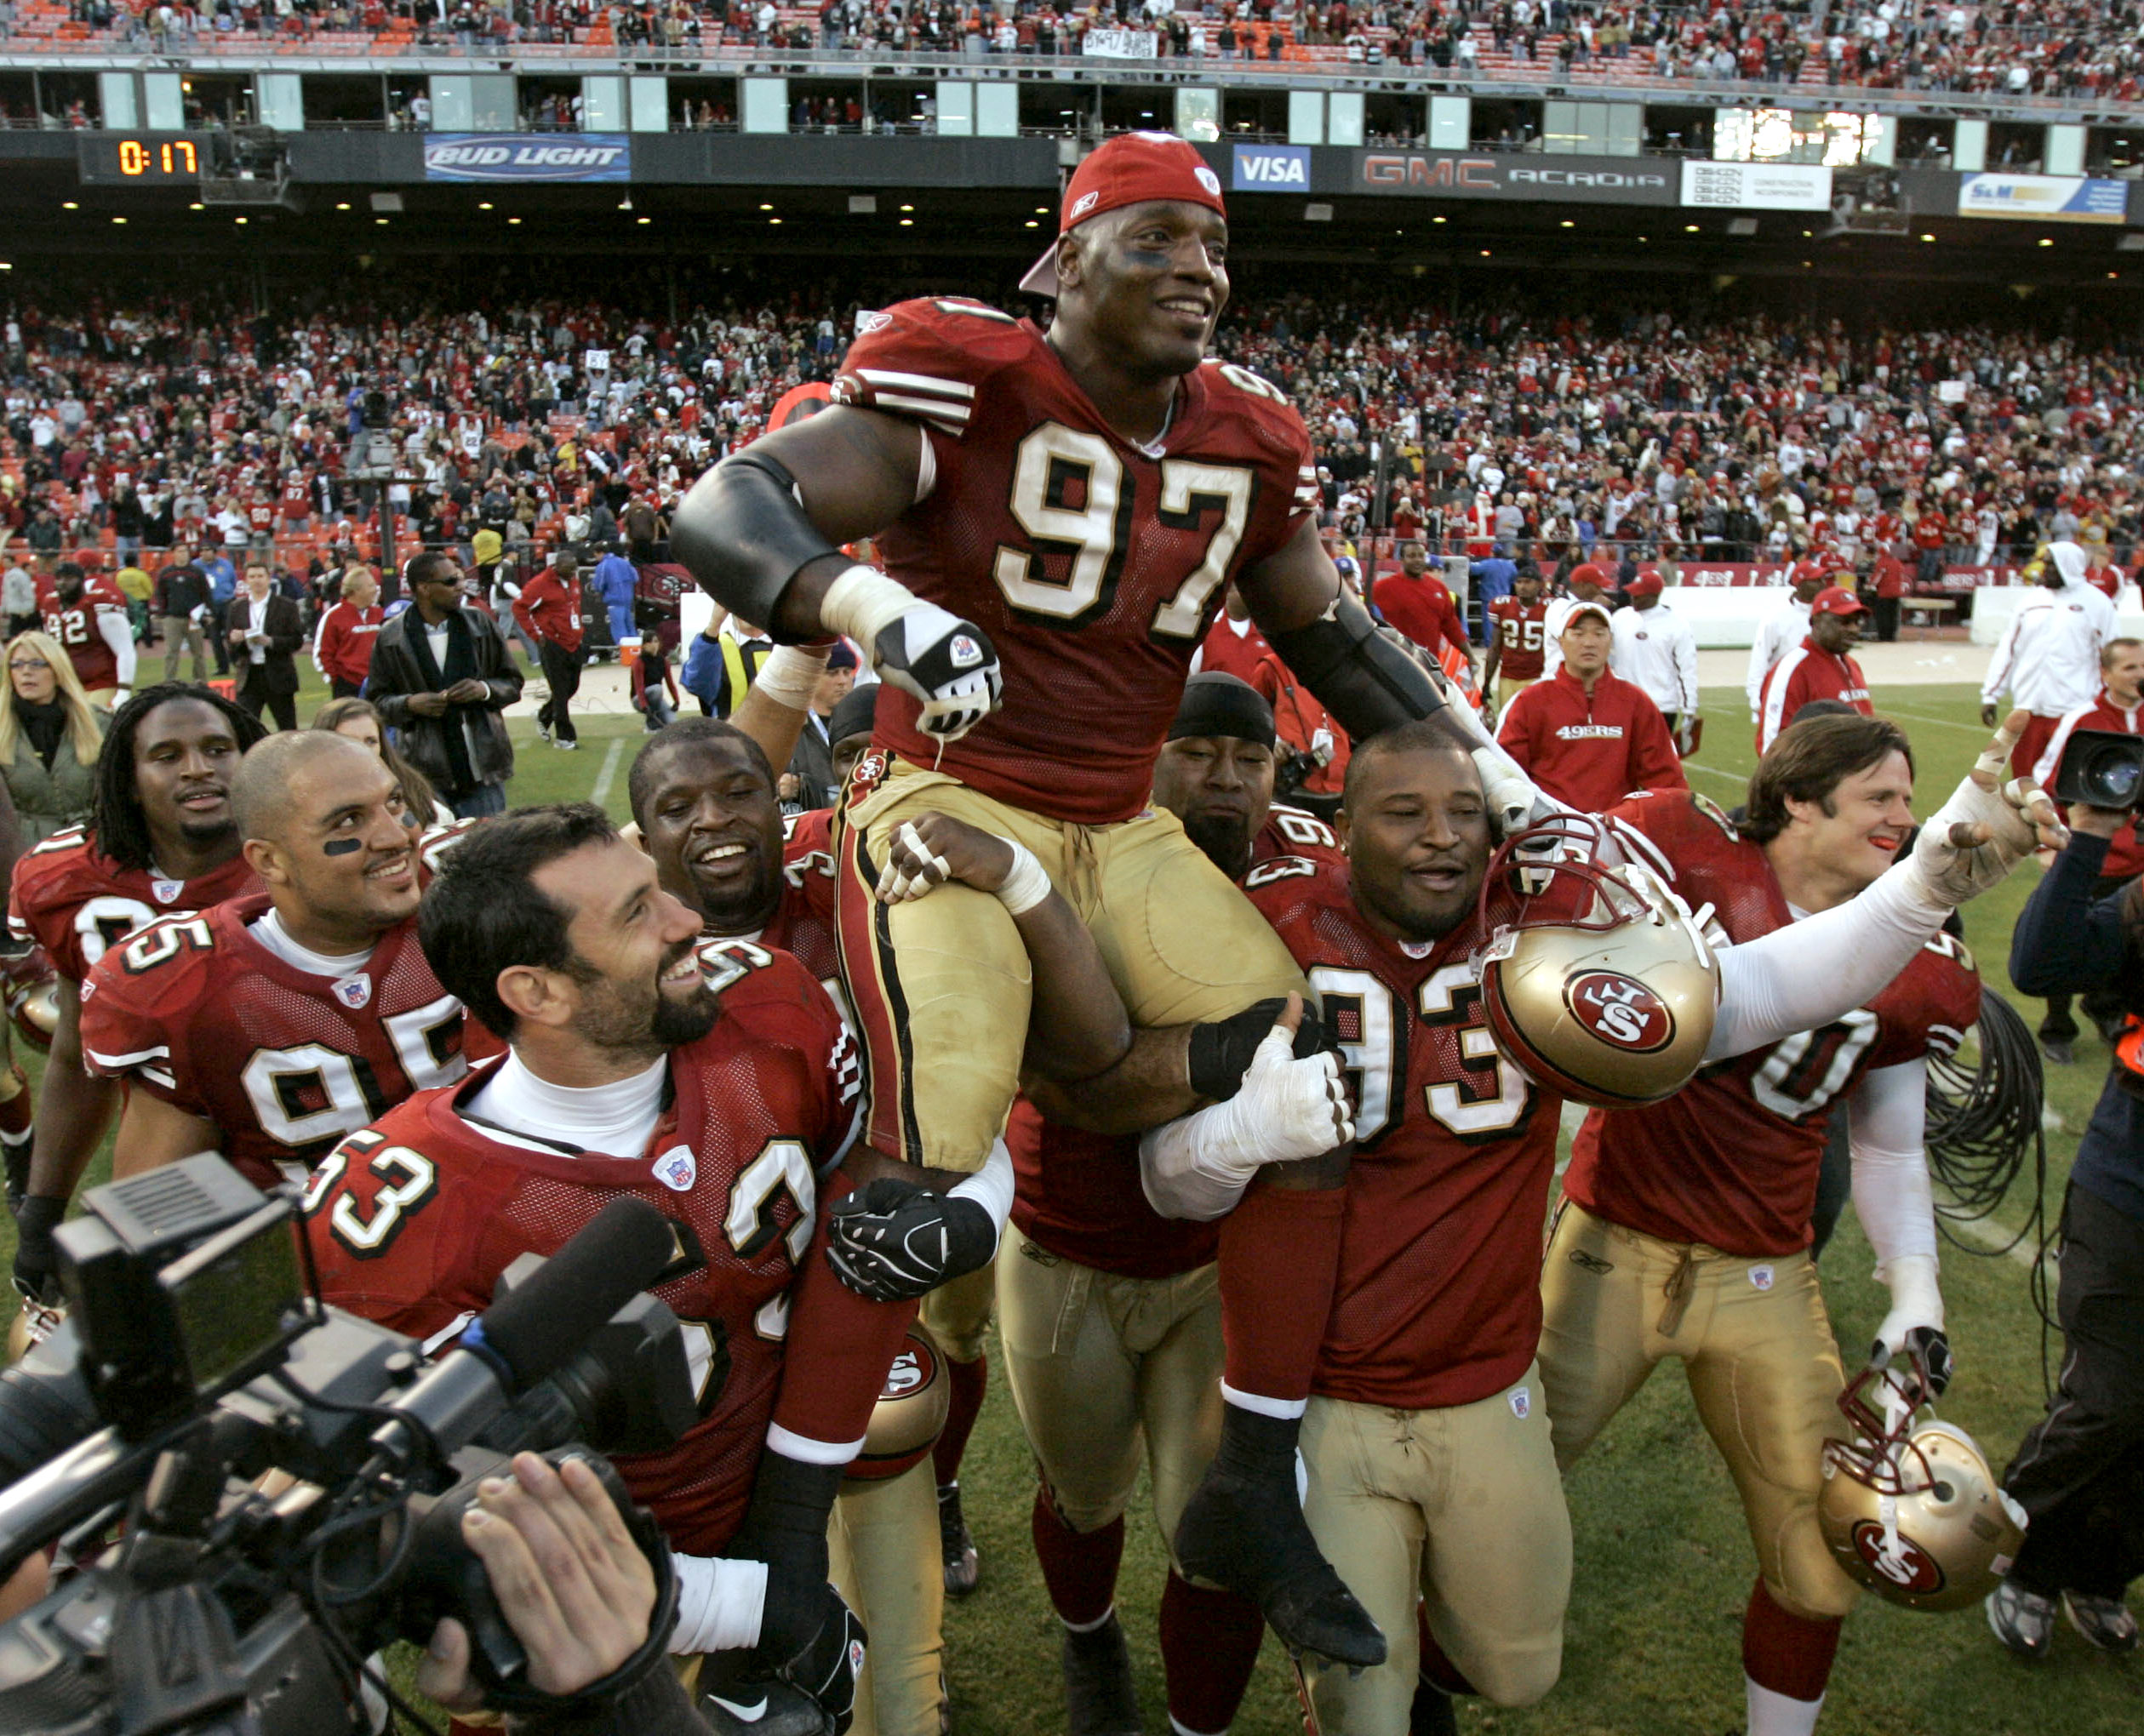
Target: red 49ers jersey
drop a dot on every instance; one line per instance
(1519, 654)
(75, 626)
(1439, 1301)
(1077, 1193)
(196, 1011)
(413, 1219)
(804, 922)
(1731, 1159)
(75, 902)
(1094, 566)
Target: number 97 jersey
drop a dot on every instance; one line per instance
(1094, 565)
(196, 1012)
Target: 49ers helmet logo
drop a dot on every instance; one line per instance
(1620, 1010)
(1910, 1569)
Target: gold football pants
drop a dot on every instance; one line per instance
(1756, 1347)
(1461, 1508)
(941, 987)
(1106, 1369)
(883, 1551)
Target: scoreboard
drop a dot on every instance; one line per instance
(142, 159)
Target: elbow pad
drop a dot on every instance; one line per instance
(744, 535)
(1364, 680)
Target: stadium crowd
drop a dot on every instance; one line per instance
(2021, 48)
(1516, 420)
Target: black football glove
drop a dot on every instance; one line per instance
(946, 662)
(1924, 1365)
(892, 1240)
(825, 1667)
(1221, 1053)
(37, 1260)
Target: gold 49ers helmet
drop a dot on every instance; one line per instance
(1916, 1513)
(911, 1410)
(31, 987)
(1595, 980)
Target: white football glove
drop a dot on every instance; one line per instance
(1914, 1323)
(1987, 827)
(1287, 1109)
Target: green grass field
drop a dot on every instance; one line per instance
(1663, 1568)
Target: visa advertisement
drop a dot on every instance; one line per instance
(1269, 169)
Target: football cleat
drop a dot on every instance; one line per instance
(1596, 980)
(963, 1567)
(1100, 1699)
(1244, 1528)
(1915, 1513)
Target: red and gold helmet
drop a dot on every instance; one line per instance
(1594, 979)
(910, 1411)
(1916, 1513)
(31, 988)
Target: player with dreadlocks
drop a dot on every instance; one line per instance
(162, 839)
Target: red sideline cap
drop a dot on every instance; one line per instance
(1129, 170)
(1834, 600)
(1587, 573)
(1645, 584)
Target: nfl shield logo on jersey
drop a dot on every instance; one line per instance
(675, 1169)
(353, 991)
(167, 890)
(1521, 1402)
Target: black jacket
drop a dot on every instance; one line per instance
(278, 672)
(397, 674)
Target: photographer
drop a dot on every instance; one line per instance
(577, 1591)
(2079, 1470)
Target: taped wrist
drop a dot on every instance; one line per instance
(863, 603)
(990, 1189)
(1364, 680)
(1221, 1053)
(790, 675)
(744, 535)
(719, 1603)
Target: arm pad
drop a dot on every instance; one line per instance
(744, 535)
(1364, 680)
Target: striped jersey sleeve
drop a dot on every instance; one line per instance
(926, 360)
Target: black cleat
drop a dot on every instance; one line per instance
(1100, 1698)
(1431, 1713)
(963, 1568)
(1244, 1528)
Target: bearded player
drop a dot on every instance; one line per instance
(1075, 503)
(1685, 1228)
(719, 1085)
(1432, 1474)
(89, 617)
(272, 1025)
(161, 841)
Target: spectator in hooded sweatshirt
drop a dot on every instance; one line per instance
(2048, 659)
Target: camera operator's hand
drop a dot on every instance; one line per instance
(571, 1582)
(2099, 822)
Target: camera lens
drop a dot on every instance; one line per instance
(2120, 781)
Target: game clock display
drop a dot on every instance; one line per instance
(143, 159)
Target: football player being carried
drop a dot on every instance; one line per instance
(161, 841)
(1685, 1228)
(721, 1087)
(270, 1026)
(703, 797)
(1059, 514)
(1432, 1474)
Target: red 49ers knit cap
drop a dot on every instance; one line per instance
(1129, 170)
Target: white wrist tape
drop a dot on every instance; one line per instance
(1027, 884)
(990, 1187)
(863, 603)
(719, 1602)
(791, 675)
(1197, 1166)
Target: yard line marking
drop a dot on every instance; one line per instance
(617, 752)
(1940, 722)
(1715, 772)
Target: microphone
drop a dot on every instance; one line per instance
(532, 1330)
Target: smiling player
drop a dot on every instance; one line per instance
(270, 1026)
